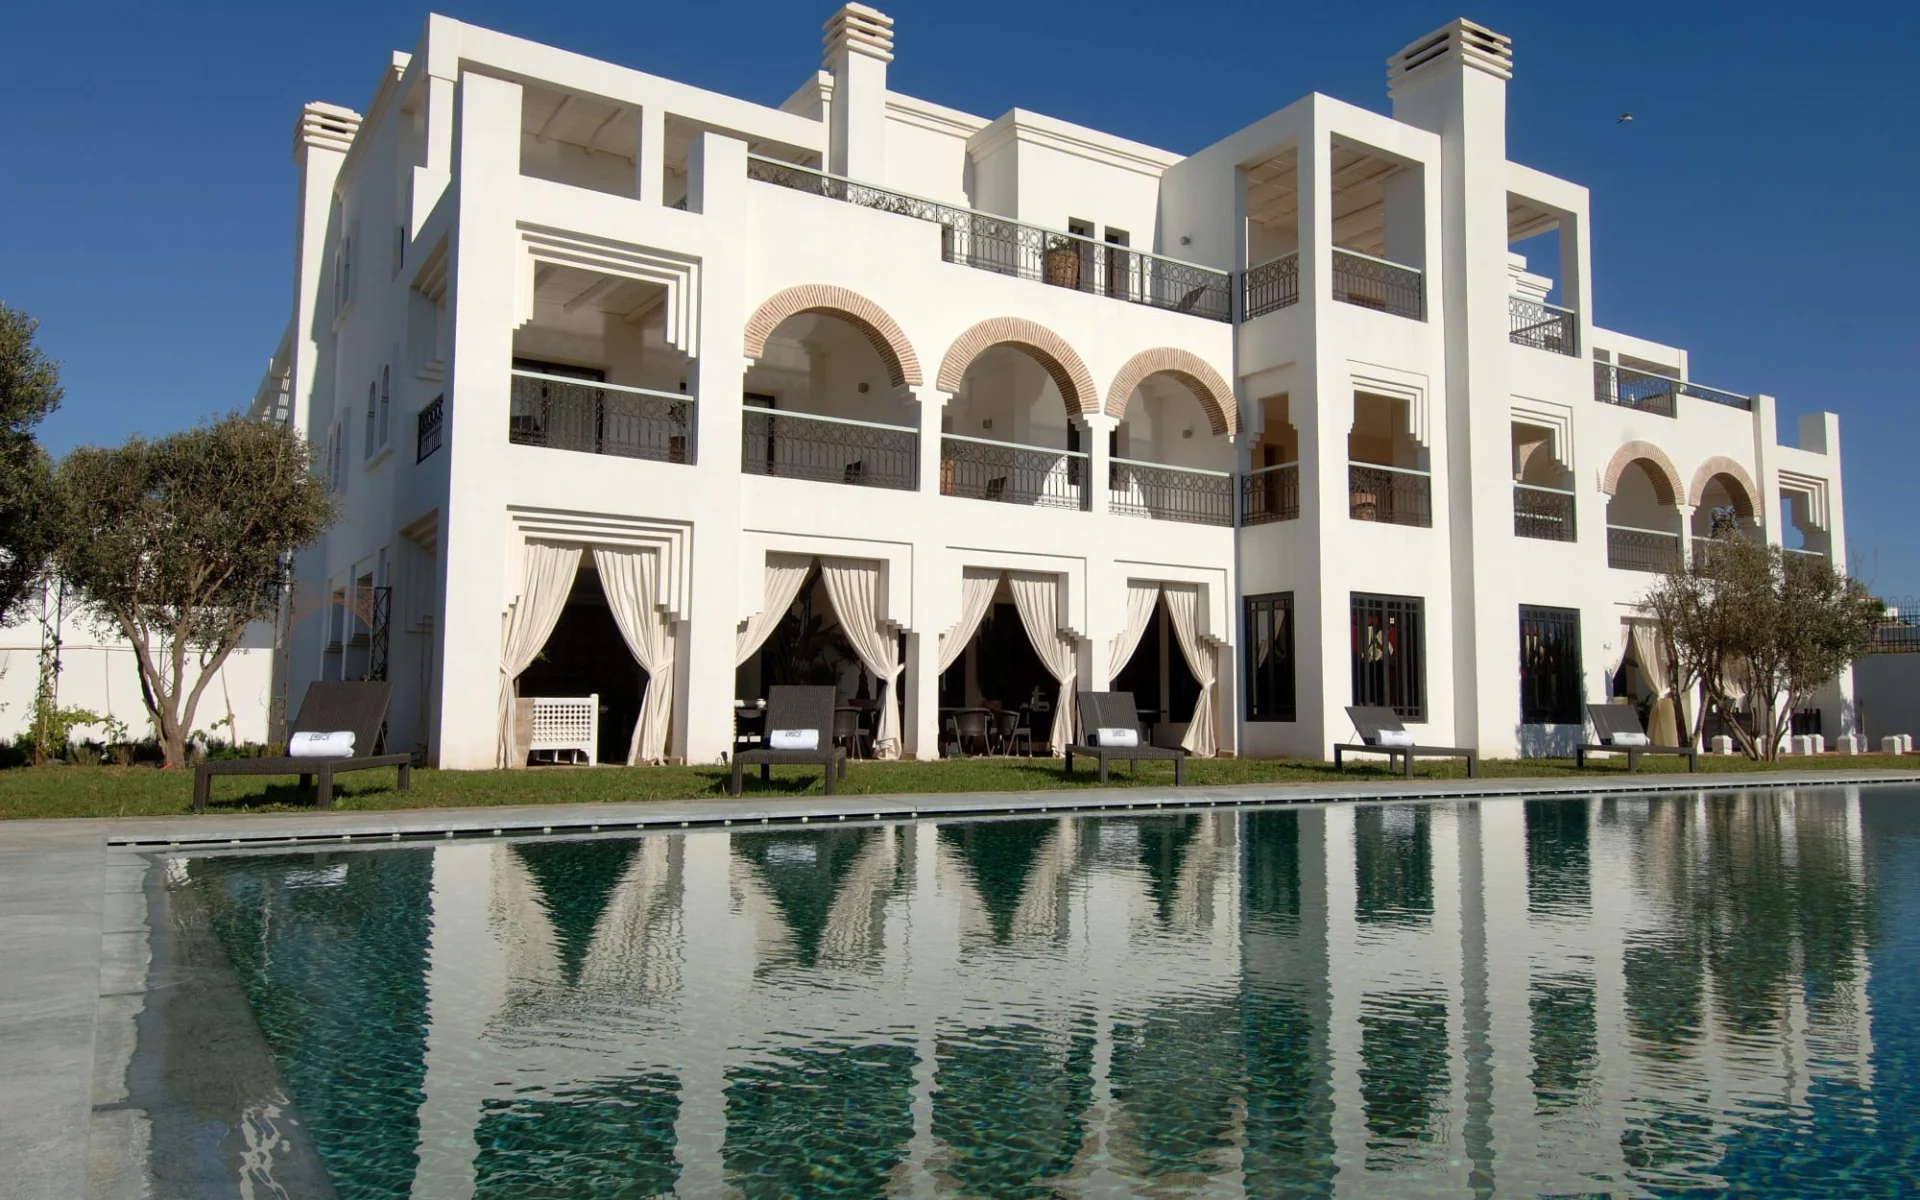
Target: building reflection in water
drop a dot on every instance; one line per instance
(1505, 997)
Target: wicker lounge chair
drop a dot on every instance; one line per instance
(330, 706)
(793, 707)
(1611, 721)
(1115, 710)
(1371, 721)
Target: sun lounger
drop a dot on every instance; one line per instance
(1115, 710)
(1372, 721)
(1612, 721)
(330, 706)
(795, 709)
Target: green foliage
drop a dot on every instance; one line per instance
(181, 542)
(29, 390)
(1760, 629)
(49, 731)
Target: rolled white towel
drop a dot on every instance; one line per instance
(321, 745)
(1629, 739)
(1117, 737)
(794, 739)
(1395, 737)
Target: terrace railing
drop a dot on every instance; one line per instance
(979, 469)
(1543, 512)
(1375, 283)
(829, 449)
(1389, 495)
(1650, 550)
(1270, 494)
(600, 418)
(1613, 384)
(1271, 286)
(1008, 247)
(1543, 326)
(1163, 493)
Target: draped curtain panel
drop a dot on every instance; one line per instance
(976, 597)
(1183, 613)
(543, 595)
(1038, 599)
(1648, 650)
(631, 579)
(1141, 599)
(853, 585)
(785, 574)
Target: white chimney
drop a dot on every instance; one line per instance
(859, 45)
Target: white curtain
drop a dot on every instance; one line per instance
(1141, 599)
(977, 587)
(543, 594)
(1038, 599)
(1183, 613)
(1650, 653)
(853, 585)
(631, 579)
(785, 574)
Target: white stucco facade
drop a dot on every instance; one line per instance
(1304, 361)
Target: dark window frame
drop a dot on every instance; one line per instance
(1388, 659)
(1551, 669)
(1273, 689)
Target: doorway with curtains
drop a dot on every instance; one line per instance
(586, 656)
(1163, 686)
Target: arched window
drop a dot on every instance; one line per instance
(366, 450)
(385, 399)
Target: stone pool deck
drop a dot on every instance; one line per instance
(74, 933)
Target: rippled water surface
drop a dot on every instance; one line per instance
(1659, 996)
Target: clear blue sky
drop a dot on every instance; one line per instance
(1762, 210)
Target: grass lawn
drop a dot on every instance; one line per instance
(69, 791)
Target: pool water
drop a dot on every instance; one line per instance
(1627, 996)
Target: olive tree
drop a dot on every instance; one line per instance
(29, 390)
(1751, 622)
(180, 542)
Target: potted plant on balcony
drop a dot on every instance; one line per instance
(1063, 261)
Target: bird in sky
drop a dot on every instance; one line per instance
(1624, 118)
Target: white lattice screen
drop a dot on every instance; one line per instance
(566, 723)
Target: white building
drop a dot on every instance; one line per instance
(1292, 406)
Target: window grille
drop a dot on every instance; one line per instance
(1390, 654)
(366, 446)
(386, 397)
(1549, 665)
(1269, 641)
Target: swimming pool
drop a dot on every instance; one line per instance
(1624, 995)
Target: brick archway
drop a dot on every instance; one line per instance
(1744, 493)
(1047, 348)
(903, 365)
(1213, 392)
(1660, 469)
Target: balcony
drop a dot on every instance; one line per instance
(1543, 513)
(1389, 495)
(979, 469)
(1647, 550)
(1270, 494)
(1163, 493)
(829, 450)
(1271, 286)
(1388, 287)
(1006, 247)
(1628, 388)
(428, 428)
(598, 418)
(1543, 326)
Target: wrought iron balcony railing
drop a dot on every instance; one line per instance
(1270, 494)
(1542, 512)
(600, 418)
(1613, 384)
(1272, 285)
(1007, 247)
(829, 449)
(979, 469)
(1375, 283)
(1163, 493)
(1543, 326)
(1630, 549)
(428, 427)
(1389, 495)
